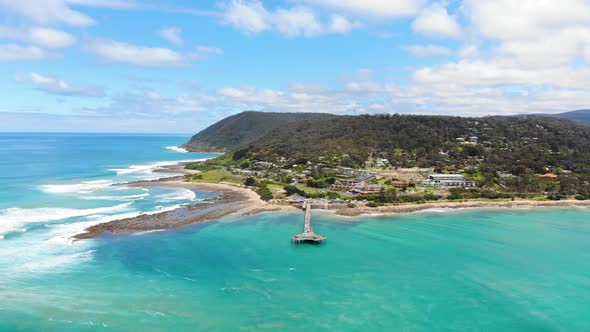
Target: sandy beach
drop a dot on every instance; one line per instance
(490, 204)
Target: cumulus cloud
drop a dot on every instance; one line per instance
(435, 21)
(59, 11)
(145, 56)
(14, 52)
(39, 36)
(525, 19)
(375, 8)
(204, 50)
(247, 16)
(340, 24)
(428, 50)
(171, 34)
(120, 4)
(54, 85)
(47, 12)
(250, 17)
(119, 52)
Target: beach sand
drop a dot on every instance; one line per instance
(471, 204)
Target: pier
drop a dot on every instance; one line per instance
(308, 236)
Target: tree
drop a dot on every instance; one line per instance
(245, 164)
(264, 193)
(333, 195)
(287, 179)
(250, 182)
(291, 190)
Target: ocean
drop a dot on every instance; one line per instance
(466, 270)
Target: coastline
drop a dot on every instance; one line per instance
(232, 200)
(242, 201)
(476, 204)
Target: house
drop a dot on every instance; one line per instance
(548, 176)
(295, 199)
(365, 189)
(345, 184)
(504, 175)
(414, 170)
(447, 180)
(399, 184)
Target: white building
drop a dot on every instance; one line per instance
(447, 180)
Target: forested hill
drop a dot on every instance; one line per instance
(503, 143)
(579, 115)
(243, 128)
(582, 116)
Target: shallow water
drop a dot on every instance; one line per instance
(503, 270)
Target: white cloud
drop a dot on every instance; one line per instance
(247, 16)
(14, 52)
(525, 19)
(119, 52)
(136, 55)
(60, 11)
(375, 8)
(204, 50)
(250, 17)
(54, 85)
(47, 12)
(428, 50)
(502, 73)
(469, 51)
(40, 36)
(171, 34)
(340, 24)
(120, 4)
(297, 22)
(435, 21)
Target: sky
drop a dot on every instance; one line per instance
(178, 66)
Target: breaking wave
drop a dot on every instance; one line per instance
(177, 149)
(13, 218)
(85, 187)
(180, 194)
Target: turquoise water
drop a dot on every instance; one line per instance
(504, 270)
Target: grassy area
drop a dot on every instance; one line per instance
(276, 186)
(215, 176)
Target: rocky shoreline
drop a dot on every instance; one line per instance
(231, 200)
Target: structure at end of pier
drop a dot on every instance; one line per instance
(308, 236)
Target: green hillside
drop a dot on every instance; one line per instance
(481, 148)
(410, 140)
(581, 116)
(242, 128)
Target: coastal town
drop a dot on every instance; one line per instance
(379, 182)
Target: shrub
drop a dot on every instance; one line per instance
(333, 195)
(250, 182)
(264, 193)
(294, 190)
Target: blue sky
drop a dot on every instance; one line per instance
(178, 66)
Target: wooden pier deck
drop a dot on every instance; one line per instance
(308, 236)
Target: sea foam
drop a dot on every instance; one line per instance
(177, 149)
(85, 187)
(13, 218)
(147, 170)
(180, 194)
